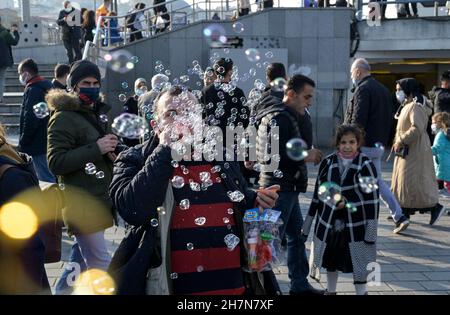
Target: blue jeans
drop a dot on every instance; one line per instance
(375, 154)
(296, 253)
(92, 254)
(41, 167)
(62, 287)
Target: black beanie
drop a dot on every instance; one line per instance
(82, 69)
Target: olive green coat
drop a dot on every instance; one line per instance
(71, 145)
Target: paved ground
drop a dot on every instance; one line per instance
(415, 262)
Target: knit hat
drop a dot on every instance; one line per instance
(82, 69)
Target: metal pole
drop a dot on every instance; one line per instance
(26, 14)
(436, 8)
(109, 33)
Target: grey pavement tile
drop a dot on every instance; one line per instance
(444, 275)
(431, 292)
(436, 285)
(57, 265)
(414, 267)
(409, 276)
(405, 286)
(381, 287)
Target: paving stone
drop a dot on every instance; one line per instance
(405, 286)
(409, 276)
(444, 275)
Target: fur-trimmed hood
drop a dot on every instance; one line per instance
(60, 100)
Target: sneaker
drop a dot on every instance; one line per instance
(401, 224)
(436, 213)
(390, 218)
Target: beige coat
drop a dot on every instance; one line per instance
(413, 178)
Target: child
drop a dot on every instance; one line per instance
(441, 149)
(346, 205)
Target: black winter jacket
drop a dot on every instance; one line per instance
(270, 97)
(295, 173)
(441, 100)
(6, 41)
(26, 274)
(33, 130)
(371, 108)
(140, 180)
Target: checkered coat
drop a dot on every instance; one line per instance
(361, 225)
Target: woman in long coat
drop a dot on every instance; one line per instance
(413, 178)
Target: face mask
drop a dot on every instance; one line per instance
(68, 9)
(355, 81)
(23, 78)
(91, 92)
(434, 129)
(400, 96)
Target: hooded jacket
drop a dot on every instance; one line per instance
(33, 130)
(295, 173)
(71, 145)
(25, 266)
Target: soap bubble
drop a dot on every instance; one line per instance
(134, 59)
(90, 169)
(235, 196)
(167, 72)
(215, 34)
(379, 145)
(269, 54)
(122, 98)
(130, 126)
(252, 71)
(350, 207)
(200, 268)
(154, 222)
(230, 211)
(124, 85)
(231, 241)
(100, 175)
(296, 149)
(278, 85)
(174, 276)
(252, 54)
(368, 184)
(174, 163)
(177, 182)
(226, 220)
(278, 174)
(200, 221)
(238, 27)
(329, 193)
(189, 246)
(184, 204)
(41, 110)
(195, 186)
(121, 61)
(103, 118)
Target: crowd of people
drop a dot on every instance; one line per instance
(186, 217)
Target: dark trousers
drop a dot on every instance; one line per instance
(71, 45)
(135, 36)
(243, 12)
(414, 8)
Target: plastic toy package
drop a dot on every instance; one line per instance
(262, 239)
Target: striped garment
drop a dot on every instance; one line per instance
(199, 255)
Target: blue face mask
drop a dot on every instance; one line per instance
(91, 92)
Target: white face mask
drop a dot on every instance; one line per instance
(434, 129)
(400, 96)
(23, 78)
(68, 8)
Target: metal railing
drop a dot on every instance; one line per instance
(439, 7)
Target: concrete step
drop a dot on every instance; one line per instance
(14, 74)
(40, 67)
(11, 129)
(13, 97)
(13, 88)
(10, 118)
(10, 108)
(14, 79)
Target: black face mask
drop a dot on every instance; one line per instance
(91, 93)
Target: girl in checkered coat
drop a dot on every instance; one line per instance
(345, 206)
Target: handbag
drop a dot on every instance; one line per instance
(402, 152)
